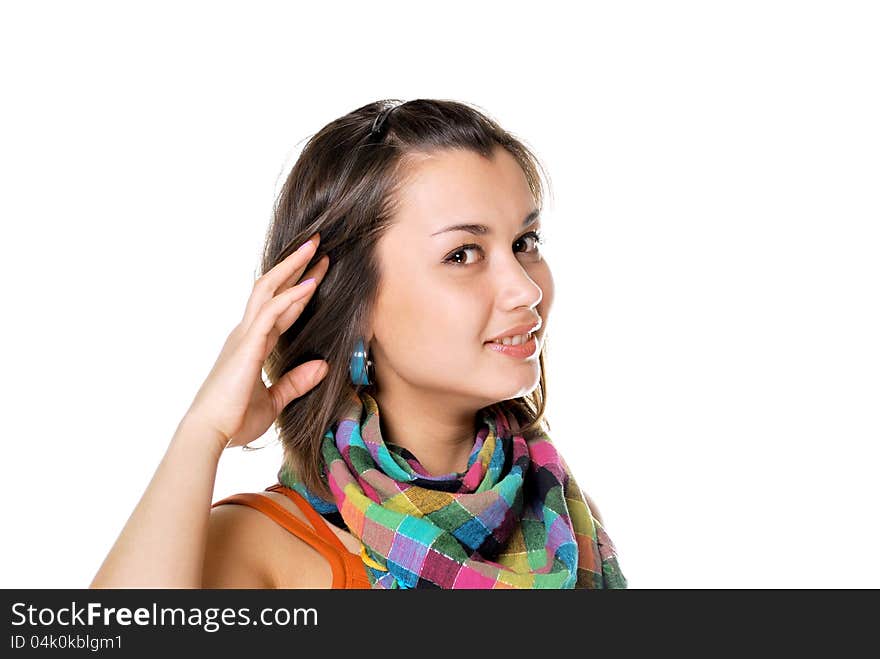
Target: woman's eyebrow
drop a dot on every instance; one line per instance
(482, 229)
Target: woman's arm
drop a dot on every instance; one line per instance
(163, 542)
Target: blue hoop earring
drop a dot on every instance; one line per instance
(360, 367)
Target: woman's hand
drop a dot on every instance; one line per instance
(233, 400)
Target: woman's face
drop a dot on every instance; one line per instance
(445, 293)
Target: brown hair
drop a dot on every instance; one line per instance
(343, 185)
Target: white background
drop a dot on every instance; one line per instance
(713, 236)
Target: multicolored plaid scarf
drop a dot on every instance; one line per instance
(514, 519)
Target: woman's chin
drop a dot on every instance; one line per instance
(516, 385)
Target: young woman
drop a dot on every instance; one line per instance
(400, 318)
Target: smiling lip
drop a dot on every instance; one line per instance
(520, 329)
(522, 351)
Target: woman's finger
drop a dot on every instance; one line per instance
(256, 342)
(289, 305)
(288, 316)
(296, 382)
(298, 276)
(268, 285)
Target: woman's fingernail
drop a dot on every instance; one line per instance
(319, 370)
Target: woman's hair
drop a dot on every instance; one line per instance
(343, 185)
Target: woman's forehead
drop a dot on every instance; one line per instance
(460, 186)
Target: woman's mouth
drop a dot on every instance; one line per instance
(521, 347)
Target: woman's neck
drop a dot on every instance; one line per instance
(438, 432)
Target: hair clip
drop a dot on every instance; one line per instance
(379, 121)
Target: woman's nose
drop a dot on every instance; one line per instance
(516, 288)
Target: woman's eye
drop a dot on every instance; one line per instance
(534, 235)
(454, 257)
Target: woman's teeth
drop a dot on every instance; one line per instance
(514, 340)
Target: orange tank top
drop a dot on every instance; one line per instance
(349, 570)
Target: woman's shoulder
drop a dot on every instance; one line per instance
(247, 549)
